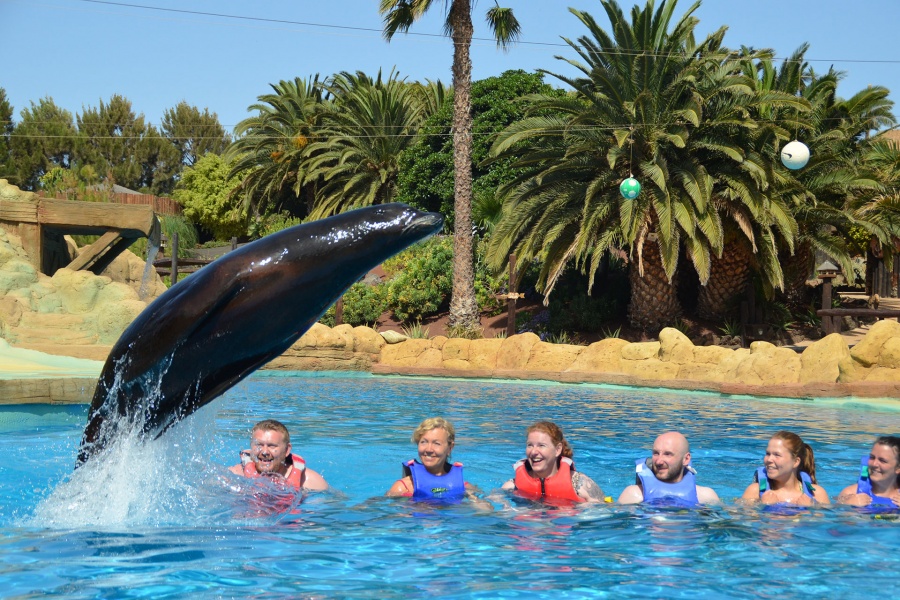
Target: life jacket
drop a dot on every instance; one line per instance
(555, 487)
(806, 483)
(449, 487)
(295, 478)
(864, 486)
(683, 492)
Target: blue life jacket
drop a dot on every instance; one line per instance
(683, 493)
(806, 483)
(449, 487)
(864, 486)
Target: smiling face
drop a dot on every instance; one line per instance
(671, 454)
(542, 453)
(270, 452)
(884, 467)
(434, 450)
(781, 464)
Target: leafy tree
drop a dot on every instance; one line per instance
(370, 123)
(399, 15)
(112, 139)
(6, 129)
(426, 169)
(193, 133)
(270, 145)
(205, 192)
(44, 138)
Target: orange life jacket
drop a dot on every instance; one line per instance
(295, 478)
(555, 487)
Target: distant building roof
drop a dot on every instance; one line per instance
(892, 136)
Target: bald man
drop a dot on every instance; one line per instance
(667, 476)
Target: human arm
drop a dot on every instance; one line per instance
(314, 481)
(821, 496)
(849, 496)
(633, 494)
(586, 489)
(401, 488)
(237, 469)
(707, 495)
(751, 494)
(509, 485)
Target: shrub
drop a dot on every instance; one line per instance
(363, 305)
(425, 281)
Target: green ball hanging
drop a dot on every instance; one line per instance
(630, 188)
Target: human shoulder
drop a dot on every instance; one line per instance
(402, 487)
(509, 485)
(847, 493)
(314, 481)
(633, 494)
(237, 469)
(707, 495)
(751, 493)
(586, 488)
(820, 494)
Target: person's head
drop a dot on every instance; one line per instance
(786, 455)
(544, 445)
(671, 454)
(884, 461)
(435, 438)
(270, 445)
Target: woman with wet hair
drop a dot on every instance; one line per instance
(788, 474)
(547, 472)
(879, 476)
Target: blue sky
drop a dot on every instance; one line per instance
(79, 52)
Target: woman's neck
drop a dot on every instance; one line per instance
(792, 483)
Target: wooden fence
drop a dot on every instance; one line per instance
(160, 205)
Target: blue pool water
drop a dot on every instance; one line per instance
(166, 520)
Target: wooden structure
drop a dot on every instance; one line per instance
(41, 224)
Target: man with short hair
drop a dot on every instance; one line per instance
(667, 476)
(270, 455)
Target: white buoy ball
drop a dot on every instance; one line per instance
(630, 188)
(795, 155)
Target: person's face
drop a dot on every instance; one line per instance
(434, 449)
(269, 451)
(669, 459)
(884, 465)
(780, 463)
(541, 452)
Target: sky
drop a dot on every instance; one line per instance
(223, 54)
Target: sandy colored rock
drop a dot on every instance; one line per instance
(675, 347)
(820, 361)
(890, 354)
(345, 337)
(867, 352)
(483, 353)
(456, 364)
(393, 337)
(700, 372)
(604, 356)
(456, 349)
(368, 340)
(651, 368)
(552, 357)
(129, 269)
(404, 354)
(640, 351)
(879, 373)
(430, 358)
(768, 364)
(438, 341)
(712, 355)
(515, 351)
(310, 339)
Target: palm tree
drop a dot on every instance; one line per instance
(368, 125)
(399, 15)
(652, 102)
(269, 146)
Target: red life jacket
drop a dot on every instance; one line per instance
(555, 487)
(295, 478)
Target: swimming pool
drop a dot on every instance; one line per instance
(167, 521)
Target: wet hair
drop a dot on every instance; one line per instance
(556, 435)
(800, 449)
(272, 425)
(434, 423)
(892, 442)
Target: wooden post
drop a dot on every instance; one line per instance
(339, 312)
(829, 324)
(511, 298)
(233, 244)
(174, 275)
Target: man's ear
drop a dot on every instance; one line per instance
(687, 460)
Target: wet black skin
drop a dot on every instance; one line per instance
(216, 327)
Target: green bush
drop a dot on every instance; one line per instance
(363, 305)
(421, 279)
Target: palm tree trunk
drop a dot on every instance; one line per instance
(798, 269)
(654, 301)
(463, 304)
(728, 279)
